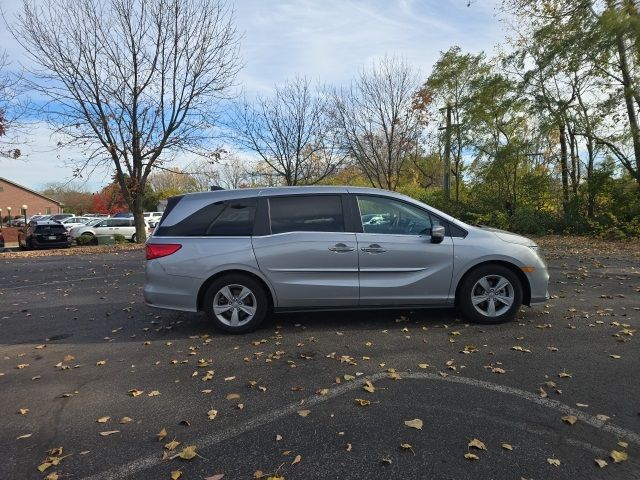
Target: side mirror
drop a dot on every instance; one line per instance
(437, 233)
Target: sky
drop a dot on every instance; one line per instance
(326, 40)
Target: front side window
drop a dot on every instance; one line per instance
(388, 216)
(306, 213)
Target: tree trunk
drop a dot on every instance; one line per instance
(564, 170)
(138, 218)
(591, 193)
(628, 100)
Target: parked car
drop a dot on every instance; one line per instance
(71, 222)
(123, 215)
(238, 254)
(61, 216)
(107, 226)
(43, 234)
(151, 216)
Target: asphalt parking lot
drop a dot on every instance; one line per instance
(90, 377)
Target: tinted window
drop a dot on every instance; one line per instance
(122, 222)
(387, 216)
(50, 229)
(232, 218)
(314, 213)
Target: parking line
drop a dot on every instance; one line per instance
(144, 463)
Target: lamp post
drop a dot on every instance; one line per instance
(9, 213)
(24, 212)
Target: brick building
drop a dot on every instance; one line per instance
(14, 196)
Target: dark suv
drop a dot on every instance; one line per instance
(43, 234)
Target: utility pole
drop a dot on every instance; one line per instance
(447, 154)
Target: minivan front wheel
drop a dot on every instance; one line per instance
(236, 303)
(490, 294)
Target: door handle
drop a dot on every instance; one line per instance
(341, 248)
(373, 248)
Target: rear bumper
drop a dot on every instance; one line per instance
(170, 292)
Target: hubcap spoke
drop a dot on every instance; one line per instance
(244, 293)
(226, 292)
(503, 282)
(504, 300)
(248, 310)
(218, 309)
(235, 320)
(479, 299)
(484, 284)
(491, 308)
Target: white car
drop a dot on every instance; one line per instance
(107, 226)
(71, 222)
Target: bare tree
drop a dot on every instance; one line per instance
(290, 131)
(11, 109)
(205, 173)
(378, 120)
(131, 81)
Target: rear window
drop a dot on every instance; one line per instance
(308, 213)
(50, 229)
(233, 218)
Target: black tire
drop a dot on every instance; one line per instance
(133, 238)
(479, 285)
(258, 300)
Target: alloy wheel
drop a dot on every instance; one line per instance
(492, 295)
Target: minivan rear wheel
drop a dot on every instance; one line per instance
(236, 303)
(490, 294)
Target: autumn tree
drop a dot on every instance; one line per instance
(132, 82)
(377, 123)
(76, 199)
(167, 183)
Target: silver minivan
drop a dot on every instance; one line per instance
(240, 254)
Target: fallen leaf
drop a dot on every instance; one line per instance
(615, 356)
(161, 434)
(176, 474)
(233, 396)
(188, 453)
(506, 446)
(109, 432)
(415, 423)
(304, 413)
(52, 476)
(26, 435)
(103, 419)
(553, 461)
(498, 370)
(153, 393)
(135, 393)
(101, 362)
(475, 443)
(278, 437)
(23, 411)
(471, 456)
(217, 476)
(423, 365)
(600, 462)
(518, 348)
(362, 402)
(564, 375)
(602, 418)
(298, 459)
(172, 445)
(368, 387)
(623, 444)
(125, 420)
(617, 456)
(43, 466)
(570, 419)
(349, 447)
(212, 414)
(323, 391)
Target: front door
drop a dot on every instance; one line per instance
(398, 262)
(309, 258)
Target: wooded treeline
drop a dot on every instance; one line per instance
(543, 137)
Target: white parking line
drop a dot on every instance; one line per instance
(144, 463)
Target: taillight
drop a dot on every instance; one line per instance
(157, 250)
